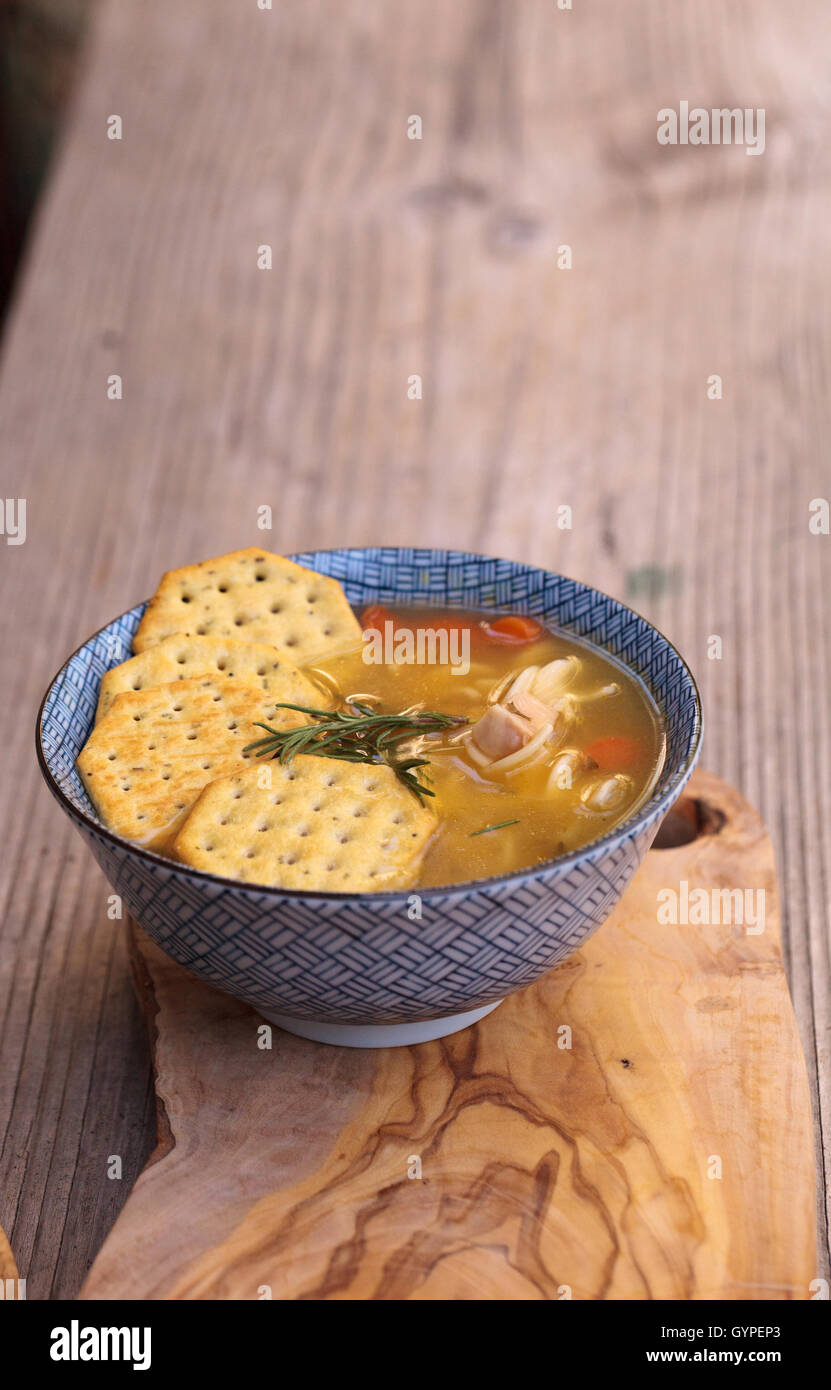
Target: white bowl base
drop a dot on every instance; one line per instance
(379, 1034)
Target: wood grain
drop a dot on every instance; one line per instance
(288, 387)
(546, 1171)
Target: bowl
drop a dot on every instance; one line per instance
(365, 970)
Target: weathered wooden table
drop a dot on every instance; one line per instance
(543, 387)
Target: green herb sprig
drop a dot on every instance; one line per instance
(486, 829)
(356, 735)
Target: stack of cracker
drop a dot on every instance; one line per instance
(165, 765)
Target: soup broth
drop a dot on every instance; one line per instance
(561, 743)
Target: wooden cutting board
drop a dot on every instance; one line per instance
(8, 1268)
(666, 1153)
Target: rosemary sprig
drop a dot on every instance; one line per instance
(486, 828)
(358, 734)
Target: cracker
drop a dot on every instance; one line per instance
(255, 597)
(147, 760)
(323, 825)
(181, 657)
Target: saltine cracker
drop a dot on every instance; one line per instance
(256, 597)
(182, 657)
(321, 825)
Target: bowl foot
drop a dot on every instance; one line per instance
(378, 1034)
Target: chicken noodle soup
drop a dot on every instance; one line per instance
(561, 742)
(417, 746)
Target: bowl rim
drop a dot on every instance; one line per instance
(647, 812)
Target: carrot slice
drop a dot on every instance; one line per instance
(614, 752)
(515, 628)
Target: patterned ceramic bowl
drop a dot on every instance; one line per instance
(353, 968)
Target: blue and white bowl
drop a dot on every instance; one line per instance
(356, 968)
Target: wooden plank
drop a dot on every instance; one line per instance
(663, 1152)
(288, 387)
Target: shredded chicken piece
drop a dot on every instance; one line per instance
(531, 709)
(500, 732)
(508, 726)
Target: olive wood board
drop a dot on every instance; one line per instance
(666, 1153)
(8, 1268)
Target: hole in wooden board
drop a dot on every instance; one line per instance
(688, 820)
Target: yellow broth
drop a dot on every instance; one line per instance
(622, 728)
